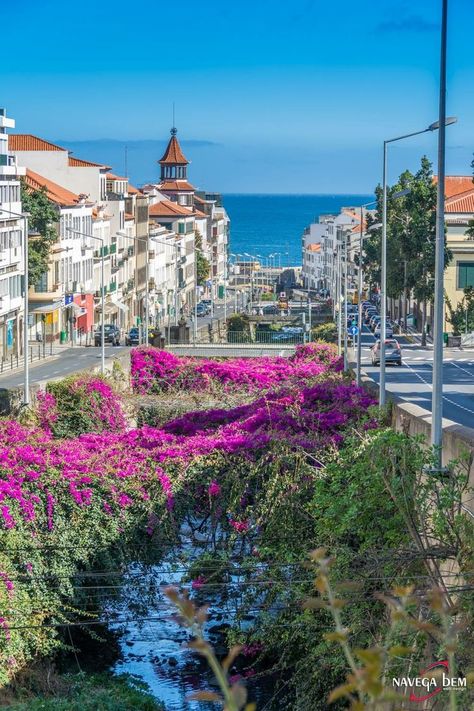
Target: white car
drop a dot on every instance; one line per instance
(388, 330)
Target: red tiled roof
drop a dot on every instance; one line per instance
(111, 176)
(314, 247)
(198, 213)
(56, 193)
(28, 142)
(456, 184)
(173, 153)
(199, 199)
(462, 203)
(133, 190)
(168, 208)
(79, 163)
(175, 185)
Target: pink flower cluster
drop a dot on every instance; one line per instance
(153, 370)
(117, 469)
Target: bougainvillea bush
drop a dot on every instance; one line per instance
(72, 504)
(81, 404)
(154, 370)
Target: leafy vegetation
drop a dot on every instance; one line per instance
(99, 692)
(42, 222)
(461, 318)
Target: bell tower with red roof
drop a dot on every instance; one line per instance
(173, 162)
(173, 179)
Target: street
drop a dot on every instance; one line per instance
(70, 360)
(412, 381)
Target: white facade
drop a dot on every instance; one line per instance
(12, 240)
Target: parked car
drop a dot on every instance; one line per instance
(111, 335)
(206, 302)
(133, 337)
(388, 330)
(393, 352)
(270, 310)
(374, 321)
(369, 314)
(201, 310)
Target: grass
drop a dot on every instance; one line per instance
(99, 692)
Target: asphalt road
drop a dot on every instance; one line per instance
(70, 360)
(413, 380)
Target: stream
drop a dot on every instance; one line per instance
(154, 644)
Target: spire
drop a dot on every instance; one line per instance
(173, 154)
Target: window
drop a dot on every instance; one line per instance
(42, 283)
(465, 274)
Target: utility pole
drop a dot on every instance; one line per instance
(437, 397)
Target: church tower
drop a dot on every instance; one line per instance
(174, 166)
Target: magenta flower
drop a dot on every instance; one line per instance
(198, 582)
(239, 526)
(214, 489)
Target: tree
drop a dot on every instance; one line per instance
(202, 264)
(411, 232)
(470, 229)
(462, 317)
(42, 221)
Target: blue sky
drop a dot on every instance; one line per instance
(291, 96)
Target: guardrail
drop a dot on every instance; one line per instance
(274, 338)
(15, 361)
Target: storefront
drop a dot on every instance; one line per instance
(9, 335)
(46, 320)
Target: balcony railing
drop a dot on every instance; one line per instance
(98, 252)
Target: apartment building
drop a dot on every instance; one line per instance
(12, 241)
(106, 234)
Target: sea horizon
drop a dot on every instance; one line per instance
(265, 223)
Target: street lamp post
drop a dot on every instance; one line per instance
(383, 286)
(147, 279)
(102, 298)
(437, 396)
(360, 288)
(26, 368)
(177, 249)
(344, 234)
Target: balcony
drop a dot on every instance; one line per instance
(113, 248)
(130, 251)
(98, 252)
(113, 286)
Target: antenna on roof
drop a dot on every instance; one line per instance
(174, 130)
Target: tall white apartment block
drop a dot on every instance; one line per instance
(12, 239)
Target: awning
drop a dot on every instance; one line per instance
(77, 310)
(111, 306)
(44, 307)
(123, 307)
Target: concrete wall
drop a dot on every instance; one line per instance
(458, 441)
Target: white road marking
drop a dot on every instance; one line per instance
(452, 402)
(463, 369)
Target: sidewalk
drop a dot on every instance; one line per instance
(36, 357)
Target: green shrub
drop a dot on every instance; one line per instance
(101, 692)
(325, 332)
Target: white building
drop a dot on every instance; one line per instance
(12, 239)
(61, 304)
(320, 244)
(108, 195)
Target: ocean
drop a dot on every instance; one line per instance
(265, 224)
